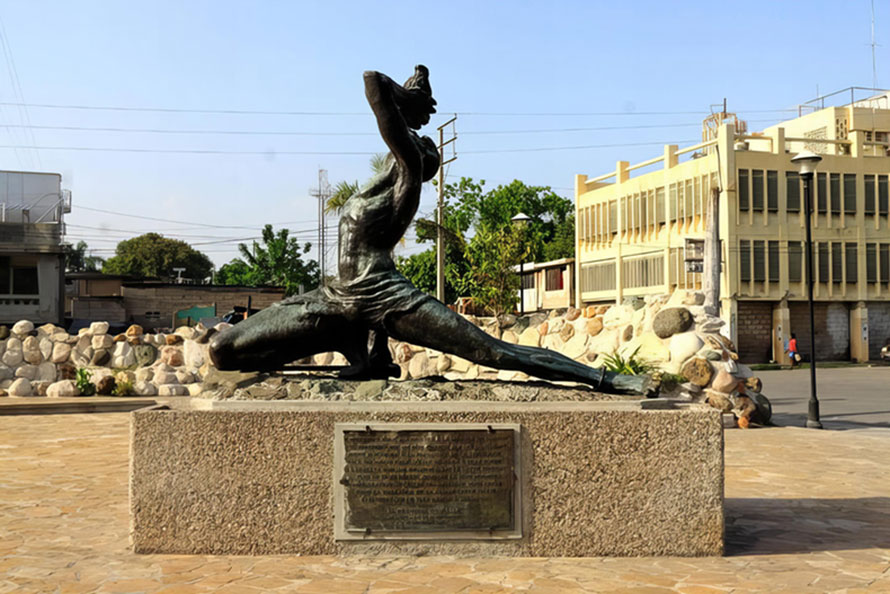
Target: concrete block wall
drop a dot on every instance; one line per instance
(878, 328)
(755, 327)
(832, 329)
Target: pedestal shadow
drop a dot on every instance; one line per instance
(780, 526)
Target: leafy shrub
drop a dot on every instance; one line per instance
(627, 365)
(83, 383)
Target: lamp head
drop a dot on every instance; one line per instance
(521, 218)
(806, 161)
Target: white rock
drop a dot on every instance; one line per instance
(59, 336)
(20, 387)
(604, 343)
(648, 347)
(123, 355)
(27, 371)
(552, 342)
(46, 372)
(461, 365)
(730, 366)
(61, 352)
(98, 328)
(530, 337)
(101, 341)
(184, 377)
(2, 347)
(510, 337)
(421, 366)
(186, 332)
(63, 389)
(222, 326)
(22, 327)
(194, 354)
(443, 364)
(31, 350)
(323, 358)
(683, 345)
(144, 374)
(164, 377)
(46, 348)
(6, 372)
(83, 343)
(195, 389)
(555, 325)
(576, 346)
(12, 358)
(172, 390)
(13, 344)
(338, 359)
(618, 316)
(145, 389)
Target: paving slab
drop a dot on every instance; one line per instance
(807, 511)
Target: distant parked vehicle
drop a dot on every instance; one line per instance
(885, 352)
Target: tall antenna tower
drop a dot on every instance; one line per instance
(322, 193)
(874, 64)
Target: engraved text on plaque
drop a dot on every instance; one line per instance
(428, 480)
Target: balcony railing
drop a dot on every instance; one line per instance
(31, 237)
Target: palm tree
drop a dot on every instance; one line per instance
(345, 190)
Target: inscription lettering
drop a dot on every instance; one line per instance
(429, 480)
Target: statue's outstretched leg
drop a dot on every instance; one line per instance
(435, 326)
(299, 327)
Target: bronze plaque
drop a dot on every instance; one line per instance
(426, 481)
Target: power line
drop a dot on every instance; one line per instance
(443, 113)
(123, 214)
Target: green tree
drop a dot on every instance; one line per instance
(77, 260)
(475, 220)
(345, 190)
(278, 261)
(154, 256)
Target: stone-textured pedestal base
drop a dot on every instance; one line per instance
(598, 478)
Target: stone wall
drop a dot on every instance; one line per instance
(673, 335)
(878, 328)
(755, 329)
(832, 329)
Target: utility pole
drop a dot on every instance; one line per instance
(323, 193)
(712, 254)
(440, 208)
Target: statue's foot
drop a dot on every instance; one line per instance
(386, 371)
(355, 372)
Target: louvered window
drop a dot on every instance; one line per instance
(759, 262)
(794, 261)
(823, 262)
(773, 257)
(659, 205)
(869, 181)
(835, 190)
(871, 262)
(883, 202)
(885, 262)
(772, 191)
(822, 192)
(757, 189)
(744, 260)
(852, 262)
(850, 193)
(792, 183)
(837, 262)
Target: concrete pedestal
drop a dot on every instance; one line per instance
(597, 478)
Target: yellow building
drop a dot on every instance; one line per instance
(633, 222)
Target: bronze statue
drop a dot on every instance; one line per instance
(370, 300)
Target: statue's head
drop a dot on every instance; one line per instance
(419, 104)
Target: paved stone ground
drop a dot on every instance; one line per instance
(807, 511)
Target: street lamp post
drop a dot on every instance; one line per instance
(520, 220)
(807, 162)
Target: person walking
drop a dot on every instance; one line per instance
(792, 350)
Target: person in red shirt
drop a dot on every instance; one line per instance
(792, 350)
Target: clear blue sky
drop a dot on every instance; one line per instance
(488, 60)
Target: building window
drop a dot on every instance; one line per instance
(743, 189)
(850, 193)
(852, 262)
(871, 262)
(824, 266)
(773, 257)
(18, 276)
(837, 263)
(659, 205)
(792, 183)
(795, 254)
(835, 191)
(885, 262)
(759, 262)
(613, 217)
(772, 191)
(152, 315)
(883, 202)
(757, 189)
(822, 193)
(553, 280)
(869, 181)
(528, 280)
(744, 260)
